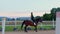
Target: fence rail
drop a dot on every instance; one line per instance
(18, 23)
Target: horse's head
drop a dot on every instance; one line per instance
(38, 19)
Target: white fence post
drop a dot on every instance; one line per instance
(15, 22)
(3, 25)
(53, 23)
(41, 25)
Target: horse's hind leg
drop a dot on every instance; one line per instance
(25, 28)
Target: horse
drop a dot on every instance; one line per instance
(31, 23)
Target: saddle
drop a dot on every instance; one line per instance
(33, 22)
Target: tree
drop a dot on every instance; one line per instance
(47, 17)
(53, 13)
(58, 9)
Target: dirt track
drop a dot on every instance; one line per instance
(32, 32)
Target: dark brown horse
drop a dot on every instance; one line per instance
(31, 23)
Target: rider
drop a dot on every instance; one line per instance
(32, 18)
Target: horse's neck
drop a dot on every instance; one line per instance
(36, 22)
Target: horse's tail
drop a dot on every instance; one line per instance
(22, 24)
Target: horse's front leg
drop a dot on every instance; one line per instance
(36, 28)
(25, 28)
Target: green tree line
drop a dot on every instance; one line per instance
(52, 15)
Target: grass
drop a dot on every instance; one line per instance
(10, 28)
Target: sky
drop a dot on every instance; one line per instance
(20, 8)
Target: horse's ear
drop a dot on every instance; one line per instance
(37, 17)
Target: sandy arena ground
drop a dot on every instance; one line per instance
(31, 32)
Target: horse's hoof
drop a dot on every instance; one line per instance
(25, 31)
(36, 31)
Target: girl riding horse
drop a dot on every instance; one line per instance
(34, 22)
